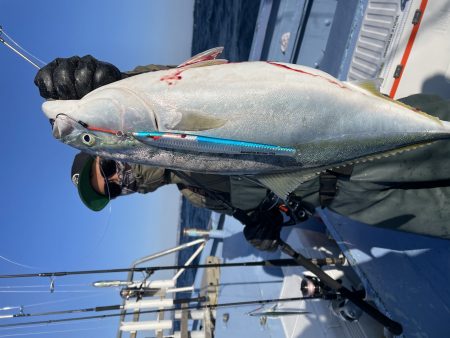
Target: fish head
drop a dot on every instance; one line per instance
(78, 134)
(101, 121)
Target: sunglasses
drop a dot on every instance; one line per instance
(108, 168)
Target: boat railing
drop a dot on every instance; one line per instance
(162, 298)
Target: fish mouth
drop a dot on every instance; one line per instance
(64, 126)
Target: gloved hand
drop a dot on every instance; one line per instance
(262, 230)
(74, 77)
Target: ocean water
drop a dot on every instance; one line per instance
(227, 23)
(190, 217)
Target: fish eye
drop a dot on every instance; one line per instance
(88, 139)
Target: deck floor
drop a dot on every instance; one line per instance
(407, 275)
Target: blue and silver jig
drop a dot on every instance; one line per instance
(205, 144)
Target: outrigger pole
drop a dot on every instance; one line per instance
(118, 307)
(151, 269)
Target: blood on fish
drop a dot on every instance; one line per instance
(303, 72)
(170, 78)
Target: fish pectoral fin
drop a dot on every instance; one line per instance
(283, 184)
(206, 58)
(193, 121)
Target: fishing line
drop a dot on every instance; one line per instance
(108, 221)
(2, 31)
(4, 329)
(60, 301)
(47, 332)
(19, 53)
(19, 264)
(42, 291)
(90, 252)
(22, 307)
(106, 228)
(39, 286)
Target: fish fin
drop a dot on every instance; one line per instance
(372, 86)
(206, 63)
(283, 184)
(208, 55)
(193, 121)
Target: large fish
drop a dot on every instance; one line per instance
(278, 122)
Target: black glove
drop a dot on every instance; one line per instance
(262, 229)
(74, 77)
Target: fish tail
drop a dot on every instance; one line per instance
(446, 125)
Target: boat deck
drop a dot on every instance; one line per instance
(405, 274)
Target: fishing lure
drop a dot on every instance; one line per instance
(205, 144)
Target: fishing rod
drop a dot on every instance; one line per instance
(309, 288)
(393, 326)
(22, 314)
(191, 307)
(15, 50)
(151, 269)
(355, 297)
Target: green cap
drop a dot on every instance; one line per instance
(81, 177)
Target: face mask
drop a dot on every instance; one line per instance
(126, 178)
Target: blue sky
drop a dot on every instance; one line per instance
(43, 223)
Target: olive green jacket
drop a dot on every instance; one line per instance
(231, 189)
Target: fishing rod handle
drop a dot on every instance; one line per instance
(393, 326)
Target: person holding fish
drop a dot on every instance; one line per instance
(408, 192)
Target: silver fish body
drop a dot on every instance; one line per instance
(326, 121)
